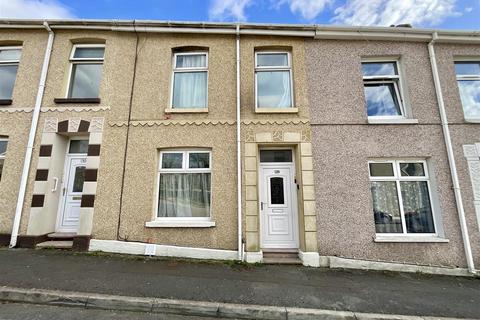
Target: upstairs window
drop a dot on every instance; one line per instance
(3, 154)
(401, 197)
(383, 94)
(86, 63)
(273, 80)
(190, 80)
(468, 79)
(9, 60)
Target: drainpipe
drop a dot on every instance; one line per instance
(239, 152)
(31, 137)
(451, 157)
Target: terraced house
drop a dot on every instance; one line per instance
(328, 146)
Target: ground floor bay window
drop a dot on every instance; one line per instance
(184, 188)
(401, 197)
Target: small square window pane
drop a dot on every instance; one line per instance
(85, 81)
(467, 68)
(199, 160)
(7, 80)
(10, 55)
(273, 89)
(190, 90)
(78, 146)
(379, 69)
(381, 99)
(417, 207)
(275, 155)
(272, 60)
(470, 96)
(192, 61)
(3, 147)
(89, 53)
(414, 169)
(172, 160)
(386, 208)
(381, 170)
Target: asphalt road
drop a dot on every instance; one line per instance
(293, 286)
(17, 311)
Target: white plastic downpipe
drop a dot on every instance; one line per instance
(239, 153)
(451, 157)
(31, 138)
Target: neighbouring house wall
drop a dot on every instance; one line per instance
(15, 119)
(464, 135)
(343, 142)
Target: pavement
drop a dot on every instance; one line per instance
(268, 285)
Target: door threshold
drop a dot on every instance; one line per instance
(280, 250)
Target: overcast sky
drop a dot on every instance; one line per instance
(445, 14)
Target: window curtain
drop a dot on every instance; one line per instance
(285, 101)
(386, 209)
(416, 206)
(274, 89)
(191, 61)
(190, 90)
(184, 195)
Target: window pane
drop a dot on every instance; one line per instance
(386, 209)
(412, 169)
(467, 68)
(79, 179)
(470, 96)
(192, 61)
(275, 155)
(273, 89)
(78, 146)
(3, 148)
(10, 55)
(199, 160)
(85, 80)
(1, 168)
(7, 80)
(417, 208)
(172, 160)
(272, 60)
(379, 69)
(89, 53)
(184, 195)
(381, 170)
(276, 191)
(190, 90)
(382, 100)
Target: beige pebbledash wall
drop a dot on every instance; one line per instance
(343, 143)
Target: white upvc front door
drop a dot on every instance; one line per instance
(71, 197)
(278, 206)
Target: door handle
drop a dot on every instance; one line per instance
(55, 184)
(63, 191)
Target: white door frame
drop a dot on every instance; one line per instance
(64, 184)
(293, 191)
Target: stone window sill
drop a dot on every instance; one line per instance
(392, 121)
(417, 239)
(76, 100)
(180, 224)
(276, 110)
(187, 110)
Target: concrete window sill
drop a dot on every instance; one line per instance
(180, 224)
(392, 121)
(276, 110)
(417, 239)
(187, 110)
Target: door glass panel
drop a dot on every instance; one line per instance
(276, 156)
(78, 146)
(276, 191)
(79, 179)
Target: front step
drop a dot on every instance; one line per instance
(55, 244)
(281, 256)
(61, 235)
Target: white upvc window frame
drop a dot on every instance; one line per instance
(472, 77)
(14, 62)
(3, 156)
(182, 221)
(275, 68)
(396, 80)
(397, 178)
(175, 70)
(73, 61)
